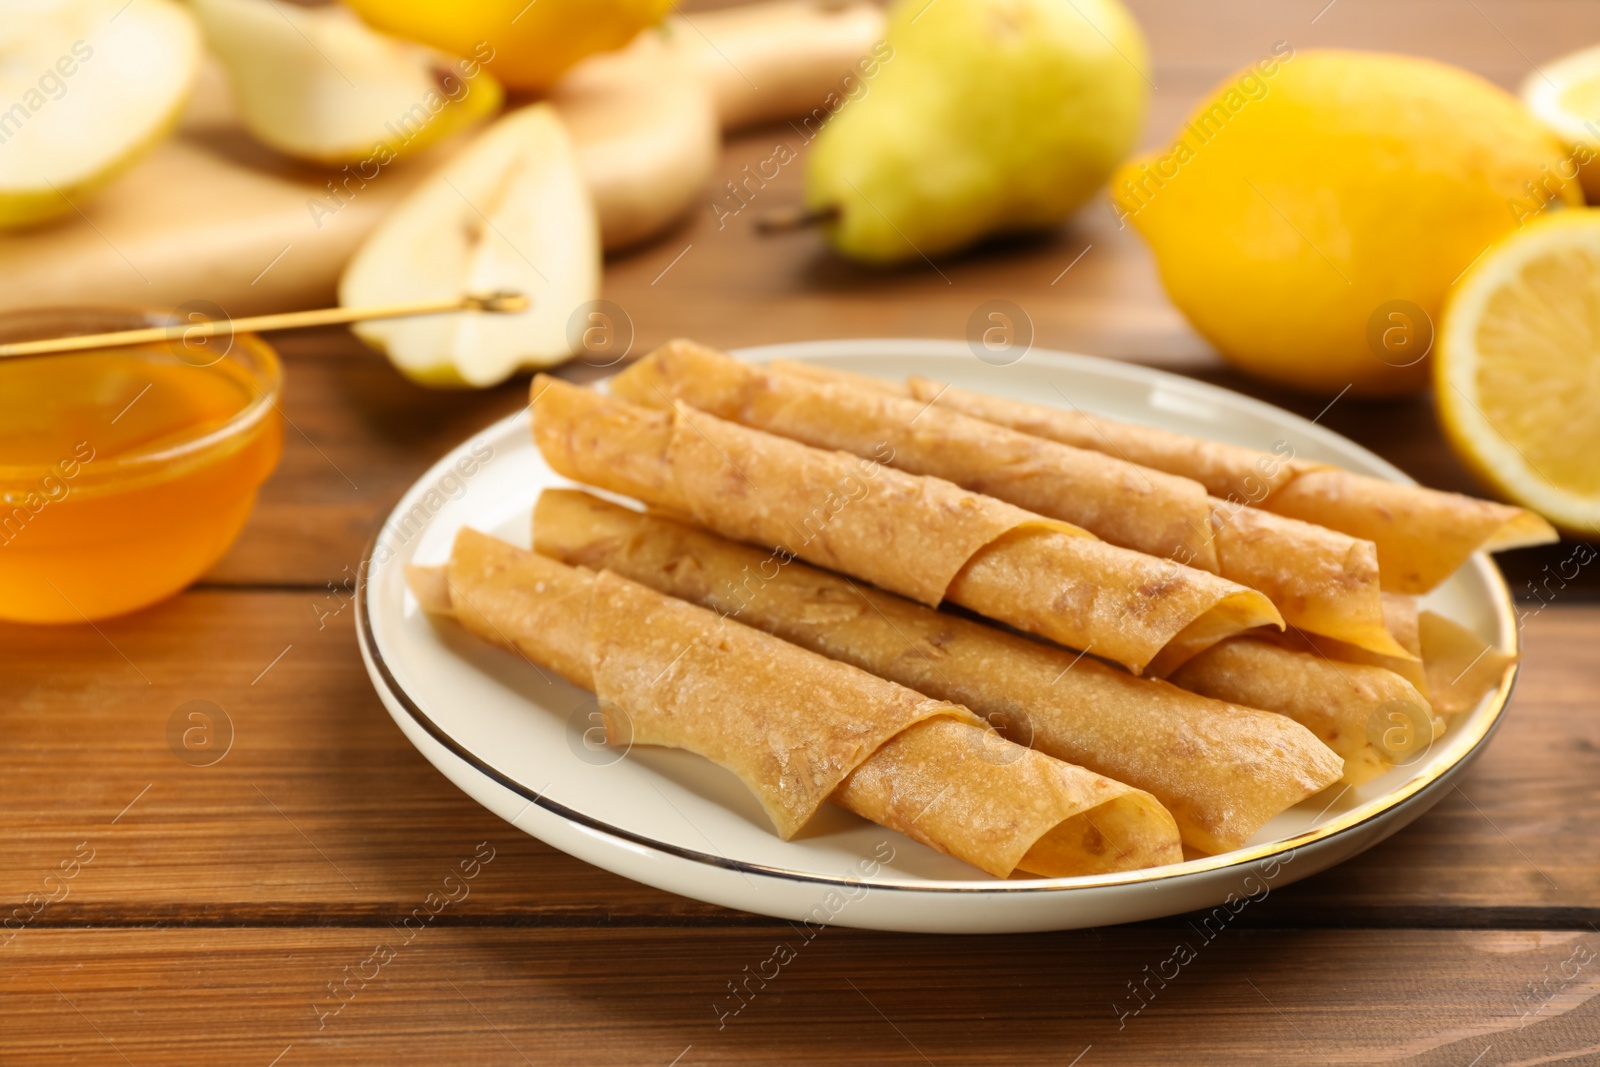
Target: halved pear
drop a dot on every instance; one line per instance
(509, 212)
(86, 86)
(646, 137)
(318, 84)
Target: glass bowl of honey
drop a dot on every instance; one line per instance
(125, 472)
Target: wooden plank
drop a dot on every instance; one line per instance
(356, 436)
(1501, 40)
(319, 808)
(155, 997)
(321, 811)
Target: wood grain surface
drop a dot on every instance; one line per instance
(217, 913)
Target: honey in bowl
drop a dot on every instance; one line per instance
(125, 473)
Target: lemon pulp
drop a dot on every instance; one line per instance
(1538, 372)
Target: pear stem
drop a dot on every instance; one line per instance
(787, 220)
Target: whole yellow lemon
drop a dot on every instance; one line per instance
(1311, 215)
(527, 44)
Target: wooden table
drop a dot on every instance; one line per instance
(213, 908)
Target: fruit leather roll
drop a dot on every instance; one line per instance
(922, 537)
(1220, 769)
(1321, 581)
(1400, 616)
(1422, 535)
(1459, 666)
(1454, 667)
(1370, 716)
(797, 728)
(1449, 664)
(1150, 512)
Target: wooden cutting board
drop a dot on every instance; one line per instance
(208, 215)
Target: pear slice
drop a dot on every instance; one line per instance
(316, 83)
(508, 212)
(85, 89)
(646, 137)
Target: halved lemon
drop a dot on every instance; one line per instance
(1517, 371)
(1565, 96)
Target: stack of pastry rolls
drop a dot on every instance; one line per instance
(1129, 664)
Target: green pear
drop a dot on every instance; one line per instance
(977, 117)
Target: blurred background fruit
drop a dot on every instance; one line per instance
(320, 85)
(530, 45)
(1517, 377)
(88, 87)
(211, 216)
(647, 138)
(773, 59)
(1565, 95)
(982, 117)
(647, 119)
(1311, 193)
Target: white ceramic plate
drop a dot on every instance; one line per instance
(513, 739)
